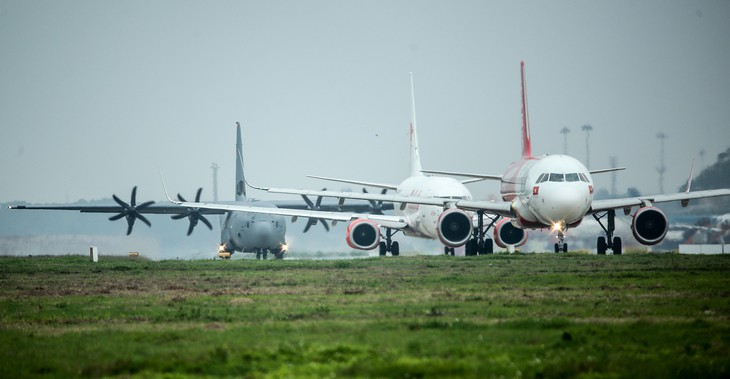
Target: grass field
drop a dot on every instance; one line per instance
(531, 316)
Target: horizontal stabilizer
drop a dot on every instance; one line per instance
(464, 174)
(601, 171)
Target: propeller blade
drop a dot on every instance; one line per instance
(306, 227)
(206, 222)
(134, 196)
(197, 195)
(120, 202)
(144, 205)
(143, 219)
(310, 204)
(116, 217)
(324, 223)
(181, 198)
(178, 217)
(190, 228)
(130, 224)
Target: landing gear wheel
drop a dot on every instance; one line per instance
(565, 248)
(557, 248)
(489, 246)
(383, 249)
(395, 248)
(617, 248)
(601, 246)
(448, 250)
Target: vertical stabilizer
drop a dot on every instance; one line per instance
(415, 155)
(526, 145)
(240, 179)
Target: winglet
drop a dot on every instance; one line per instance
(526, 145)
(165, 188)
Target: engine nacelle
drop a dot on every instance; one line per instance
(454, 227)
(505, 233)
(649, 225)
(363, 234)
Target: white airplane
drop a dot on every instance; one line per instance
(430, 219)
(240, 231)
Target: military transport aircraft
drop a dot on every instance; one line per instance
(240, 231)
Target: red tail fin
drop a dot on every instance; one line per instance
(526, 146)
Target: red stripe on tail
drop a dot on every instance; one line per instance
(526, 145)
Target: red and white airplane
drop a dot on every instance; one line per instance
(544, 192)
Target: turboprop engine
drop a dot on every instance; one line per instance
(649, 225)
(454, 227)
(505, 233)
(363, 234)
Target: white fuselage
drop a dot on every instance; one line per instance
(422, 219)
(550, 191)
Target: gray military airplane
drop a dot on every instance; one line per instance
(240, 231)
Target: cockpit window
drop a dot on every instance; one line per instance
(543, 178)
(557, 177)
(583, 177)
(571, 177)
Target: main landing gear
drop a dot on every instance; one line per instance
(479, 244)
(609, 241)
(389, 245)
(264, 253)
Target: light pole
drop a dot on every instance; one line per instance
(662, 168)
(587, 128)
(564, 131)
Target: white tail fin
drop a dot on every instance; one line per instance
(415, 155)
(526, 145)
(240, 179)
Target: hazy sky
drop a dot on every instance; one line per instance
(95, 96)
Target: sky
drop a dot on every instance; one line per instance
(99, 96)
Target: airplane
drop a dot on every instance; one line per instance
(542, 192)
(430, 220)
(556, 192)
(240, 231)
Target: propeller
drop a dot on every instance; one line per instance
(193, 214)
(316, 206)
(376, 207)
(131, 211)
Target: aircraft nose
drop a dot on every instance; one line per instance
(263, 232)
(565, 204)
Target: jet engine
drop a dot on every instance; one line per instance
(649, 225)
(454, 227)
(505, 233)
(363, 234)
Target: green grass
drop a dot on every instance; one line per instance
(531, 315)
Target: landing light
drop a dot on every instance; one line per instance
(284, 247)
(558, 226)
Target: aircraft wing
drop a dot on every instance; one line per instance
(358, 182)
(501, 208)
(388, 221)
(607, 204)
(367, 196)
(112, 208)
(464, 174)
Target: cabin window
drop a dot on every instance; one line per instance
(572, 177)
(557, 177)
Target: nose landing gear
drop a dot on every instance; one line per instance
(561, 245)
